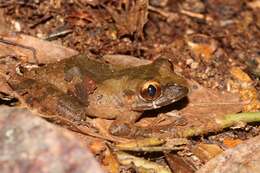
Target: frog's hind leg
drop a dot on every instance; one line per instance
(47, 99)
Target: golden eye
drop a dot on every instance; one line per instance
(150, 90)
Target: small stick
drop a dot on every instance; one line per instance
(22, 46)
(58, 34)
(221, 123)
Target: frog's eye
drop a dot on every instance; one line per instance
(150, 90)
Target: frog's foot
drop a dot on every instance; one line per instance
(125, 129)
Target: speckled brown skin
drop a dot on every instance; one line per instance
(79, 87)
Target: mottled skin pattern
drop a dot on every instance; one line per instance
(79, 87)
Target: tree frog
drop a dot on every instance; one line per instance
(80, 87)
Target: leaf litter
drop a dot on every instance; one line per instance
(206, 110)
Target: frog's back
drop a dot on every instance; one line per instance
(60, 73)
(99, 71)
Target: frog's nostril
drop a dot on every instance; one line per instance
(170, 94)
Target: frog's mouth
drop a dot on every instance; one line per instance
(170, 94)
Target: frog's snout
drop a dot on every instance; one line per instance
(170, 95)
(175, 92)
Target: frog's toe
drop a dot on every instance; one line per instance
(125, 129)
(120, 129)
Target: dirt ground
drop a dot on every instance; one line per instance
(215, 43)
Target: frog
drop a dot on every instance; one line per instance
(81, 87)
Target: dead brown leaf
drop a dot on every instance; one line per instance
(4, 27)
(110, 162)
(4, 87)
(202, 46)
(244, 84)
(205, 152)
(130, 16)
(205, 102)
(231, 143)
(125, 60)
(46, 52)
(201, 114)
(178, 164)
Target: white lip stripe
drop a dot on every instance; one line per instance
(154, 105)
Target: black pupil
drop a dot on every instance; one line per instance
(151, 90)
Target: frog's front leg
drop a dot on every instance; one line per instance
(124, 126)
(48, 99)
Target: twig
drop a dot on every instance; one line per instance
(127, 159)
(168, 14)
(161, 12)
(58, 34)
(195, 15)
(232, 119)
(221, 123)
(44, 19)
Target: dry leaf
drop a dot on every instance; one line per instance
(127, 159)
(202, 46)
(240, 75)
(202, 114)
(178, 165)
(231, 143)
(97, 146)
(110, 162)
(130, 17)
(206, 151)
(46, 52)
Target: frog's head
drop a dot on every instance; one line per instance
(156, 85)
(136, 89)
